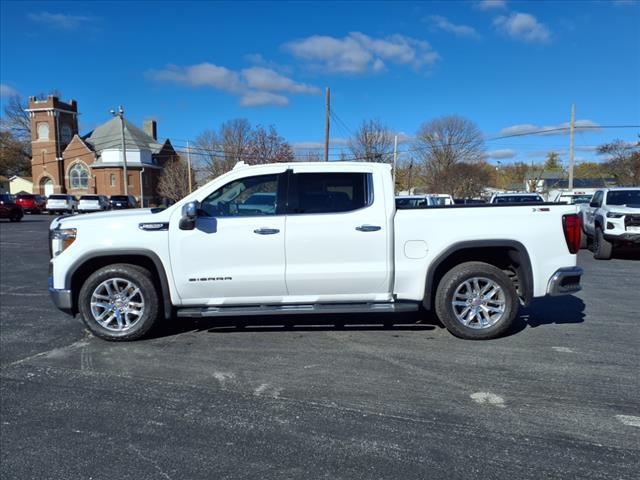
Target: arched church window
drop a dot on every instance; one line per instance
(79, 176)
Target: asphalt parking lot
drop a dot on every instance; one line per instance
(347, 397)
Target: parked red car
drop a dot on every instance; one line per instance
(31, 203)
(9, 208)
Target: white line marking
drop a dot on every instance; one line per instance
(222, 376)
(488, 398)
(629, 420)
(563, 349)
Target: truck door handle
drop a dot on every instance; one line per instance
(368, 228)
(266, 231)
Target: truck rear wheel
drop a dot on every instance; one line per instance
(602, 249)
(119, 302)
(476, 301)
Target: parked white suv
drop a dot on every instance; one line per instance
(319, 238)
(93, 203)
(61, 204)
(612, 218)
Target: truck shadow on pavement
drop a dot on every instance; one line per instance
(551, 310)
(301, 323)
(542, 311)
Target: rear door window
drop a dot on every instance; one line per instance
(329, 192)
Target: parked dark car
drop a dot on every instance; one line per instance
(9, 208)
(31, 203)
(123, 201)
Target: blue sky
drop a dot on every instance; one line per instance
(508, 66)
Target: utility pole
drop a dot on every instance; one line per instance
(395, 161)
(326, 125)
(189, 164)
(120, 114)
(573, 126)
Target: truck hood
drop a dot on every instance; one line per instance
(134, 215)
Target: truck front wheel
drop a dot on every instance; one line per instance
(476, 301)
(602, 249)
(119, 302)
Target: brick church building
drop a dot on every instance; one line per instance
(65, 162)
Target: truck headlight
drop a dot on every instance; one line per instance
(615, 215)
(61, 240)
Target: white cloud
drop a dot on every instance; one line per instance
(201, 75)
(442, 23)
(60, 20)
(524, 27)
(261, 99)
(7, 91)
(491, 4)
(560, 129)
(501, 154)
(255, 85)
(519, 129)
(358, 53)
(262, 78)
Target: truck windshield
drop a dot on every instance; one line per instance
(623, 197)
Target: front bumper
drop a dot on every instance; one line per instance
(623, 237)
(62, 299)
(565, 281)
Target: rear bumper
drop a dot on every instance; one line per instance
(565, 281)
(62, 299)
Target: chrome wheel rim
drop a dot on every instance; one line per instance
(117, 304)
(479, 303)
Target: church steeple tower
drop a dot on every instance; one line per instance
(53, 125)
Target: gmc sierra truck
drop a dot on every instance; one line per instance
(310, 238)
(612, 218)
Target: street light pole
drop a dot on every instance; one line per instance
(120, 114)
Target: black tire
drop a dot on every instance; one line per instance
(456, 277)
(143, 280)
(602, 248)
(16, 217)
(584, 243)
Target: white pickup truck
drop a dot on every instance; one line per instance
(612, 218)
(310, 238)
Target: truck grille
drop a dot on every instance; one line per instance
(632, 221)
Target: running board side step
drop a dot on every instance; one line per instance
(326, 308)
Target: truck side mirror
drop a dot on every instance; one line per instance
(189, 215)
(594, 204)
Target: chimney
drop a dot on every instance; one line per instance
(151, 128)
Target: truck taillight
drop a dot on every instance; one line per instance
(572, 226)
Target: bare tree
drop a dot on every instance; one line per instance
(624, 161)
(235, 135)
(174, 180)
(16, 119)
(468, 180)
(372, 142)
(218, 151)
(310, 156)
(445, 142)
(266, 146)
(14, 159)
